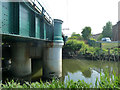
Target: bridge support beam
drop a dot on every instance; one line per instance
(21, 63)
(52, 60)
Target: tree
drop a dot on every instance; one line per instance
(86, 33)
(107, 30)
(76, 36)
(100, 37)
(73, 34)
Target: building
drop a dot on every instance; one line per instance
(116, 32)
(95, 36)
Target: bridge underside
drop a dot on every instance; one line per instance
(17, 38)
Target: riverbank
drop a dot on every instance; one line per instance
(81, 49)
(89, 56)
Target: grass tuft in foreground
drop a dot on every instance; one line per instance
(106, 81)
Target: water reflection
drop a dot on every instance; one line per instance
(87, 70)
(79, 76)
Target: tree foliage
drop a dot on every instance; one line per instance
(100, 37)
(76, 36)
(86, 33)
(107, 30)
(74, 45)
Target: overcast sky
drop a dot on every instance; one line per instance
(77, 14)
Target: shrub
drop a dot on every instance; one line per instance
(74, 45)
(84, 49)
(92, 42)
(91, 50)
(105, 51)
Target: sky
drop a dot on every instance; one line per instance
(76, 14)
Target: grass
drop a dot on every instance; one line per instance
(109, 45)
(106, 81)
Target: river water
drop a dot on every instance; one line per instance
(79, 69)
(87, 70)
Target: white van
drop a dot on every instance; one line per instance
(107, 39)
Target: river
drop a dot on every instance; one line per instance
(78, 69)
(87, 70)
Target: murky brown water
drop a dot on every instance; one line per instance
(87, 70)
(82, 69)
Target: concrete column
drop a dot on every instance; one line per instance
(21, 63)
(52, 60)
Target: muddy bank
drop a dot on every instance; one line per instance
(89, 56)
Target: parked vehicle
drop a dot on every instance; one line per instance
(107, 39)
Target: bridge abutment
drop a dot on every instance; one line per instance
(21, 63)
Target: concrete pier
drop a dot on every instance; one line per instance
(52, 60)
(21, 63)
(53, 53)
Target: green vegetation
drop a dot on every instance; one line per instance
(87, 47)
(86, 33)
(100, 37)
(107, 30)
(76, 36)
(90, 50)
(92, 42)
(74, 45)
(106, 81)
(109, 45)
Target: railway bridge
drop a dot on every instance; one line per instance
(30, 38)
